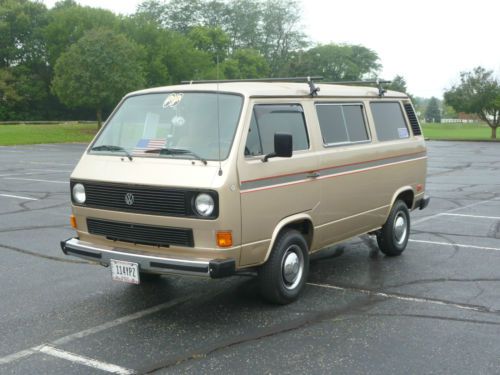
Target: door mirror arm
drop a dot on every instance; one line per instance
(283, 147)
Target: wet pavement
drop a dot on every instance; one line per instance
(435, 309)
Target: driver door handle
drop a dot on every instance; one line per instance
(313, 175)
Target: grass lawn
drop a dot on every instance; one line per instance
(470, 132)
(64, 133)
(59, 133)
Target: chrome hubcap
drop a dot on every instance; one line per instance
(292, 267)
(400, 228)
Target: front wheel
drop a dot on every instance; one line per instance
(393, 237)
(283, 276)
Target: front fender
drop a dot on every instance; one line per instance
(282, 224)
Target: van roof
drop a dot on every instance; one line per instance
(276, 89)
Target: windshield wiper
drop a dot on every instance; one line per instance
(112, 148)
(175, 151)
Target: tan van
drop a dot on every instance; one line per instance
(219, 178)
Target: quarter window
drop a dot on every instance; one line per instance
(389, 121)
(341, 123)
(270, 119)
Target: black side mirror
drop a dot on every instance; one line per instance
(283, 146)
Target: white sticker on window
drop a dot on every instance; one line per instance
(403, 133)
(172, 100)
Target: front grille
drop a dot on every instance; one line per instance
(141, 234)
(413, 119)
(156, 201)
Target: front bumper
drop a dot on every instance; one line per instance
(424, 202)
(215, 268)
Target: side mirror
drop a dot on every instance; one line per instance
(283, 146)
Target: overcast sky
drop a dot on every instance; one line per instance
(428, 42)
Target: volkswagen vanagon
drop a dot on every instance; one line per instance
(219, 178)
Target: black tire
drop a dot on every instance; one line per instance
(393, 237)
(276, 285)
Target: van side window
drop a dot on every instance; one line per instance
(341, 123)
(389, 121)
(254, 144)
(269, 119)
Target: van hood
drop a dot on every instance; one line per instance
(148, 171)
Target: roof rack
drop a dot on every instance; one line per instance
(309, 80)
(378, 82)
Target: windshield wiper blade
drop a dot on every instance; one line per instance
(176, 151)
(112, 148)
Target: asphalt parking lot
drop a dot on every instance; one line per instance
(435, 309)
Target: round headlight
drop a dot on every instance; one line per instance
(204, 204)
(79, 193)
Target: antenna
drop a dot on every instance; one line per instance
(218, 117)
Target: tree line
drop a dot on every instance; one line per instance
(75, 62)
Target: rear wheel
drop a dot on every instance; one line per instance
(393, 237)
(283, 276)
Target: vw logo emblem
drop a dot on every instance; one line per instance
(129, 199)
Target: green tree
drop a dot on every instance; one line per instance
(21, 39)
(336, 62)
(246, 63)
(282, 33)
(243, 24)
(68, 22)
(178, 15)
(433, 113)
(7, 89)
(212, 40)
(398, 83)
(97, 71)
(478, 93)
(169, 56)
(271, 27)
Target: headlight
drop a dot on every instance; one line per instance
(204, 204)
(79, 193)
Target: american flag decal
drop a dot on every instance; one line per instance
(148, 144)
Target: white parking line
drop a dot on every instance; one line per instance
(50, 163)
(17, 197)
(400, 297)
(113, 323)
(473, 216)
(85, 361)
(36, 180)
(424, 219)
(456, 245)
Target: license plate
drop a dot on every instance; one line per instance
(126, 272)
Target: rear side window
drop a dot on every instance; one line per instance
(389, 121)
(342, 123)
(270, 119)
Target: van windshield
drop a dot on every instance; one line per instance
(182, 125)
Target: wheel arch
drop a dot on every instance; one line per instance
(301, 222)
(406, 194)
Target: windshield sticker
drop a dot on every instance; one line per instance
(403, 133)
(172, 100)
(178, 121)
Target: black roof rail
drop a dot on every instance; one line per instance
(309, 80)
(378, 82)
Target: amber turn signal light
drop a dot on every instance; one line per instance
(72, 220)
(224, 239)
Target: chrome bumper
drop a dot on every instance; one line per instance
(215, 268)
